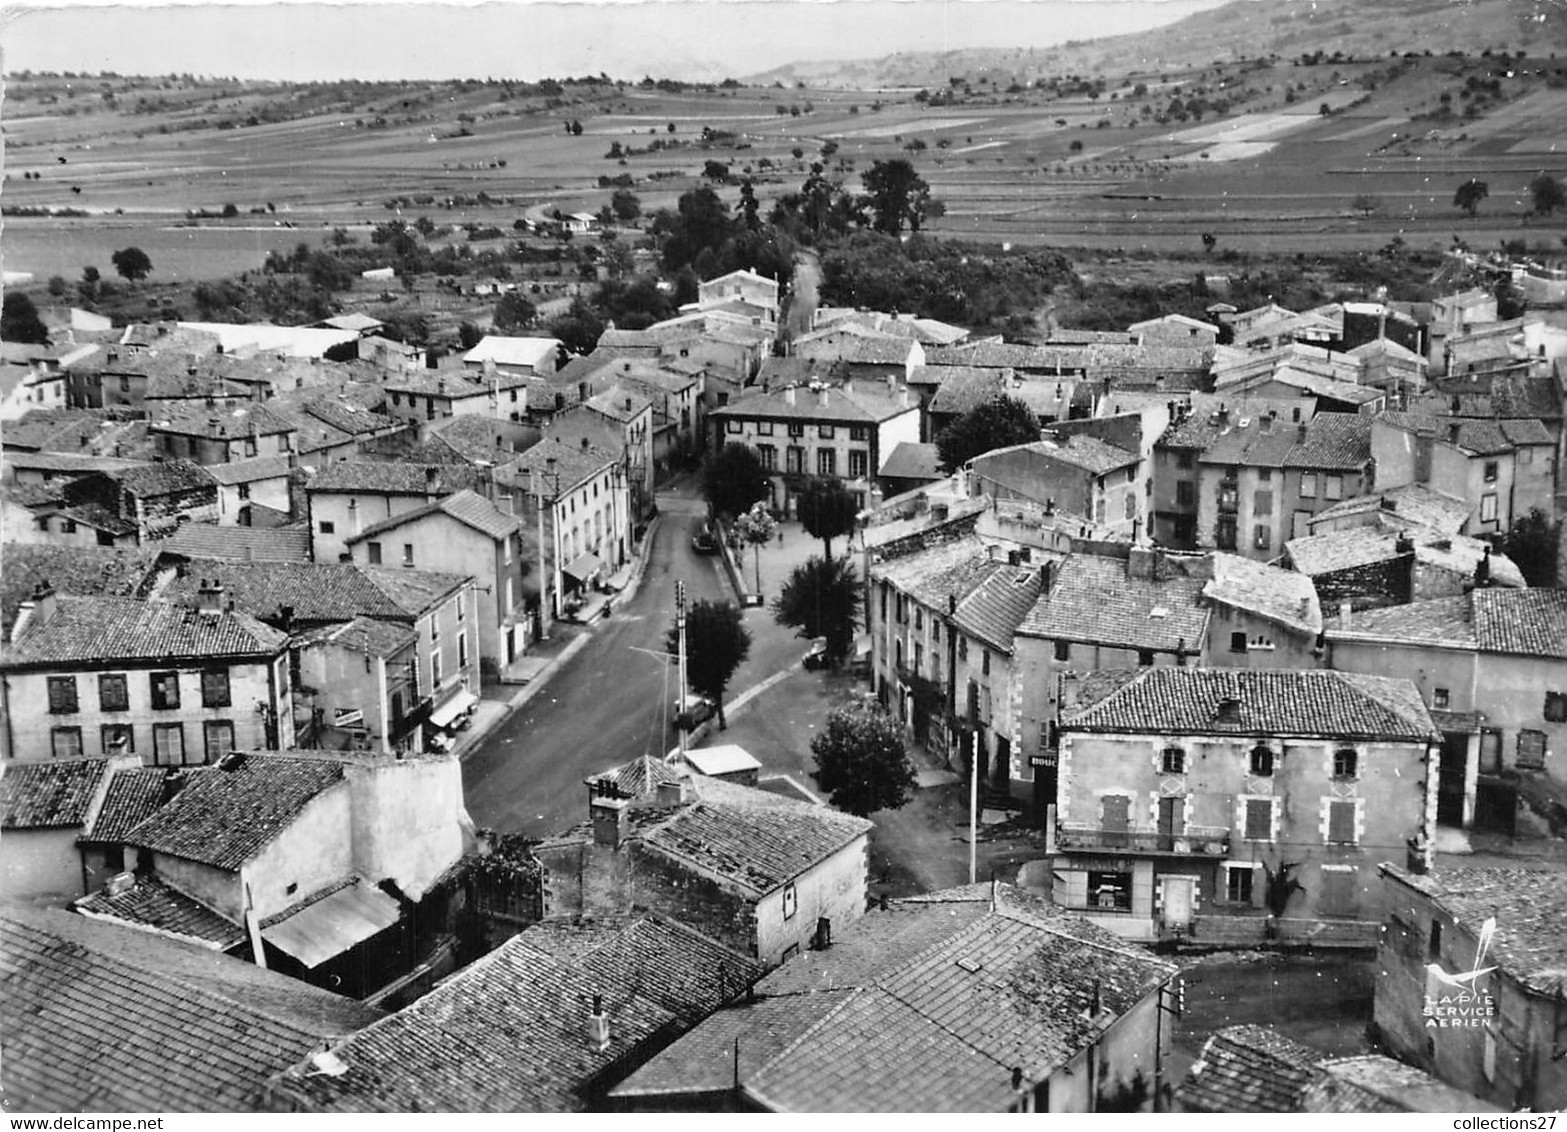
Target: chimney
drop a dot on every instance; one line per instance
(173, 782)
(848, 385)
(1301, 432)
(353, 518)
(582, 391)
(432, 475)
(1140, 563)
(209, 597)
(1265, 424)
(44, 603)
(822, 939)
(821, 397)
(628, 404)
(609, 821)
(789, 395)
(1047, 576)
(1483, 569)
(598, 1025)
(1345, 609)
(672, 793)
(119, 884)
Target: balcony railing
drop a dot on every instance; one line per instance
(1193, 841)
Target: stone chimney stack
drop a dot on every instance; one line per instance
(432, 476)
(610, 821)
(598, 1025)
(1345, 613)
(44, 603)
(209, 597)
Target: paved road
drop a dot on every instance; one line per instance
(610, 703)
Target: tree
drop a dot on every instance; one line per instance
(19, 321)
(1470, 194)
(826, 510)
(822, 598)
(575, 128)
(469, 335)
(748, 206)
(58, 286)
(756, 528)
(514, 312)
(131, 263)
(733, 478)
(625, 204)
(861, 761)
(998, 423)
(1531, 543)
(717, 641)
(897, 195)
(1548, 194)
(579, 328)
(1367, 204)
(90, 285)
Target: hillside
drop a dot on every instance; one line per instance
(1241, 29)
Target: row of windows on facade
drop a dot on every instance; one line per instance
(163, 691)
(1110, 890)
(902, 613)
(826, 460)
(1331, 485)
(1261, 761)
(825, 432)
(168, 742)
(1258, 816)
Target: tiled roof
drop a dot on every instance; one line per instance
(249, 418)
(165, 477)
(227, 813)
(390, 478)
(573, 464)
(453, 385)
(995, 608)
(639, 778)
(1093, 357)
(1410, 504)
(926, 1006)
(101, 1018)
(363, 634)
(855, 345)
(1095, 600)
(618, 403)
(910, 461)
(238, 544)
(466, 507)
(756, 848)
(81, 570)
(1501, 396)
(1516, 621)
(99, 518)
(52, 795)
(251, 470)
(509, 1032)
(1374, 1083)
(1248, 1068)
(1477, 437)
(1279, 595)
(152, 903)
(775, 373)
(1529, 906)
(1344, 550)
(862, 405)
(1174, 700)
(413, 591)
(132, 795)
(315, 591)
(111, 628)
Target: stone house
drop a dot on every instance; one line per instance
(1189, 799)
(44, 808)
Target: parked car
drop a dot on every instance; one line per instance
(816, 658)
(693, 710)
(705, 541)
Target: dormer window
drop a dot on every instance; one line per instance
(1262, 761)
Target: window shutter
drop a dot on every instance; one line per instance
(1259, 819)
(1341, 822)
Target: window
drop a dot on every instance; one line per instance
(984, 667)
(1308, 485)
(462, 650)
(168, 744)
(118, 739)
(1237, 883)
(1172, 760)
(1238, 642)
(62, 695)
(215, 688)
(217, 738)
(328, 527)
(791, 901)
(824, 431)
(1224, 532)
(1259, 819)
(408, 554)
(1262, 761)
(1131, 506)
(1531, 750)
(796, 429)
(1345, 763)
(764, 428)
(1185, 461)
(1490, 751)
(1145, 658)
(1262, 502)
(250, 446)
(69, 527)
(962, 648)
(1333, 487)
(733, 426)
(1185, 493)
(1341, 823)
(1490, 471)
(1434, 946)
(375, 553)
(1063, 650)
(397, 400)
(66, 742)
(1439, 697)
(794, 459)
(859, 432)
(165, 690)
(435, 670)
(826, 462)
(1555, 707)
(244, 491)
(1488, 508)
(1262, 536)
(1110, 890)
(859, 463)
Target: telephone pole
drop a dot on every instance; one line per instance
(680, 632)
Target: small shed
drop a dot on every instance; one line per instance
(730, 762)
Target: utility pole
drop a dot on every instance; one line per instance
(973, 808)
(544, 575)
(680, 632)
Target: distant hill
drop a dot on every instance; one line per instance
(1243, 28)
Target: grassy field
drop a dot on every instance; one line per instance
(1276, 172)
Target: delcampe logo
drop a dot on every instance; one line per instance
(1459, 1001)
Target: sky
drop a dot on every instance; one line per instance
(522, 39)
